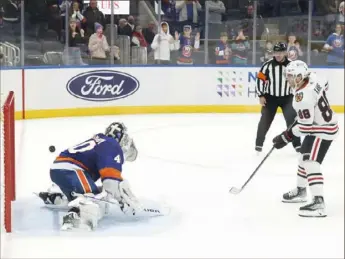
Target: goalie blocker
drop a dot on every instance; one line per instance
(77, 169)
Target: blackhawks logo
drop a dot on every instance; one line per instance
(299, 97)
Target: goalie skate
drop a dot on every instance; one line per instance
(315, 209)
(71, 220)
(297, 195)
(51, 198)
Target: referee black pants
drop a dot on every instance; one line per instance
(267, 115)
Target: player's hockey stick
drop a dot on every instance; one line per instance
(235, 190)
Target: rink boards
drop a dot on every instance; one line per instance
(58, 92)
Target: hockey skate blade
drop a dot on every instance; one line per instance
(69, 227)
(320, 213)
(295, 201)
(235, 190)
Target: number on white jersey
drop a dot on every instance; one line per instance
(323, 106)
(325, 109)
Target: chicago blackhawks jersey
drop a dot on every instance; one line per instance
(314, 114)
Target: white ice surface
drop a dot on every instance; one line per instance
(189, 162)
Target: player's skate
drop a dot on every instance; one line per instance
(296, 195)
(51, 198)
(315, 209)
(258, 150)
(71, 220)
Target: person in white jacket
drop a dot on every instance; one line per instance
(163, 43)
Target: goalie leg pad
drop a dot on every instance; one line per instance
(90, 211)
(120, 191)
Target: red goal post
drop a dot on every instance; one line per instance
(7, 179)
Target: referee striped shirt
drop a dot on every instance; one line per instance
(271, 79)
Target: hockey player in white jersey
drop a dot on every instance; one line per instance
(318, 124)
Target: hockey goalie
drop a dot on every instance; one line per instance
(76, 170)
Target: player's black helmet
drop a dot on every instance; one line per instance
(116, 130)
(280, 47)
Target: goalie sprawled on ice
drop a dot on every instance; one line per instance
(76, 170)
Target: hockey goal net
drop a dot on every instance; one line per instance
(7, 176)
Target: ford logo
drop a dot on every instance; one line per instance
(102, 85)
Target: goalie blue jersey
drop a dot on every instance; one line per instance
(99, 157)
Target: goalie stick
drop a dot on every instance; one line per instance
(150, 211)
(162, 211)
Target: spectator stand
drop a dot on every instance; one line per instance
(37, 32)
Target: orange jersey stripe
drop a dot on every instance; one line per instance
(83, 180)
(68, 159)
(110, 173)
(261, 76)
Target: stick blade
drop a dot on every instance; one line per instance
(235, 190)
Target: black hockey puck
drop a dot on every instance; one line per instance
(52, 149)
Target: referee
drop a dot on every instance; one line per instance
(274, 92)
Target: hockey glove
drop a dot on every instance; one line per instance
(282, 140)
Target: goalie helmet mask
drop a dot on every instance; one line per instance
(118, 131)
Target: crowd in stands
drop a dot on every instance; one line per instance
(71, 32)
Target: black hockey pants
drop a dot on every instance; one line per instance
(268, 113)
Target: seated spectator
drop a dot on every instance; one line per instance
(188, 10)
(131, 22)
(54, 17)
(240, 49)
(293, 48)
(64, 6)
(335, 47)
(341, 16)
(188, 45)
(163, 43)
(124, 28)
(138, 38)
(11, 11)
(72, 54)
(223, 50)
(268, 52)
(76, 34)
(93, 15)
(75, 13)
(169, 10)
(331, 7)
(99, 47)
(98, 44)
(216, 9)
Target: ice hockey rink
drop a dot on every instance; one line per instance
(187, 162)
